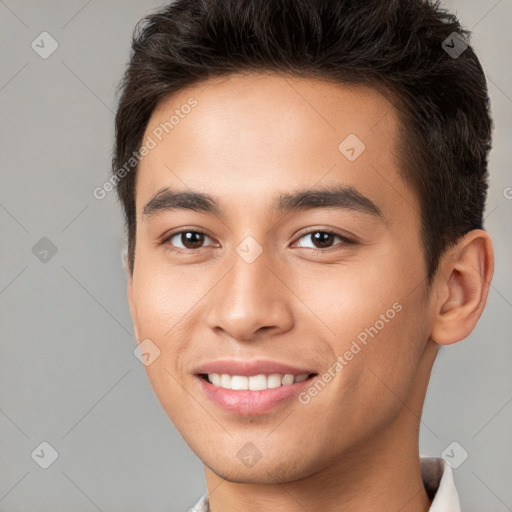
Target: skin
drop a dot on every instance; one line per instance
(354, 446)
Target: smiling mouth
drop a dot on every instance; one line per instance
(259, 382)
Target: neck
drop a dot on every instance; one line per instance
(381, 473)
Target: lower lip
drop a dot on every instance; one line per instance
(246, 402)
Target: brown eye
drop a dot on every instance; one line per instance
(187, 239)
(323, 239)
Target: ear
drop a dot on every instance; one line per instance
(462, 285)
(129, 278)
(133, 308)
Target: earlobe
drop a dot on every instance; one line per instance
(463, 286)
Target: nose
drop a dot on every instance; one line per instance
(251, 301)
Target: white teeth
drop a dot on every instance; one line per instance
(225, 381)
(255, 382)
(275, 380)
(239, 382)
(287, 379)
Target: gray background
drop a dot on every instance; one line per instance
(68, 375)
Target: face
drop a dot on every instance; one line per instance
(300, 277)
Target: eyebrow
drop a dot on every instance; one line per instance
(338, 197)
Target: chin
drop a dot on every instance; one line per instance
(263, 472)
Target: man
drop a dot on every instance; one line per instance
(303, 184)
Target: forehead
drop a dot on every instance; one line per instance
(262, 104)
(250, 135)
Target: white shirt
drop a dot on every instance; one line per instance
(437, 478)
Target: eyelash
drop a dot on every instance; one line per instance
(345, 240)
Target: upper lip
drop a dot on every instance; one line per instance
(249, 368)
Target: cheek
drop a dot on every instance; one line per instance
(349, 298)
(164, 296)
(379, 326)
(162, 305)
(392, 343)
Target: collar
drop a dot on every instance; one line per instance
(437, 478)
